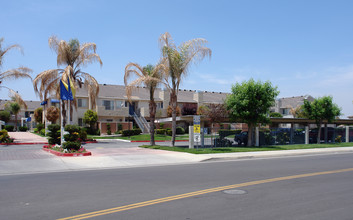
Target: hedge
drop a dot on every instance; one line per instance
(161, 131)
(132, 132)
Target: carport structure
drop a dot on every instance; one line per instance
(276, 122)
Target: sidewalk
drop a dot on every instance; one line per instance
(27, 138)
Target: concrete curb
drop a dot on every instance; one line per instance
(282, 153)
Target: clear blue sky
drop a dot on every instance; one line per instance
(302, 46)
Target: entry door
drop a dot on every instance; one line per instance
(132, 108)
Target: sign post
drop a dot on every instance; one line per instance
(197, 129)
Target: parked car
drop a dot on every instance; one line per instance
(242, 138)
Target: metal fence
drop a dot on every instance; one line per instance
(216, 137)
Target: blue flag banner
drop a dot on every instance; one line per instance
(65, 93)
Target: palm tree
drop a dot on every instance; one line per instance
(72, 55)
(14, 106)
(20, 72)
(149, 76)
(179, 60)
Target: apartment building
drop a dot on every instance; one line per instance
(284, 105)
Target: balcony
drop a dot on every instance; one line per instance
(120, 112)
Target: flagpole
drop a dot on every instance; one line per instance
(69, 101)
(61, 124)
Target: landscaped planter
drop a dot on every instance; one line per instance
(63, 154)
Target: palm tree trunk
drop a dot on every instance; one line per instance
(152, 117)
(173, 100)
(15, 122)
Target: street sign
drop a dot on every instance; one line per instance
(197, 138)
(197, 129)
(197, 119)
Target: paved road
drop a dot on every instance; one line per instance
(59, 195)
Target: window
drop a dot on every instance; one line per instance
(28, 114)
(159, 105)
(109, 105)
(285, 111)
(109, 120)
(82, 103)
(120, 104)
(80, 122)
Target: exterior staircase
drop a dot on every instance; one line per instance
(142, 123)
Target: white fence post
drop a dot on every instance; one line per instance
(347, 134)
(306, 134)
(191, 136)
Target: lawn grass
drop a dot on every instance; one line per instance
(246, 149)
(142, 137)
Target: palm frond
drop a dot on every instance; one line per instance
(3, 51)
(21, 72)
(44, 81)
(92, 86)
(14, 96)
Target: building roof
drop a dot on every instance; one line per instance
(118, 92)
(292, 102)
(142, 93)
(31, 105)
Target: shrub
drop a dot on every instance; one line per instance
(9, 127)
(180, 130)
(83, 135)
(72, 142)
(54, 134)
(24, 128)
(35, 130)
(127, 133)
(4, 137)
(161, 131)
(72, 145)
(109, 132)
(169, 132)
(161, 125)
(137, 131)
(338, 139)
(120, 127)
(5, 116)
(42, 132)
(40, 126)
(72, 128)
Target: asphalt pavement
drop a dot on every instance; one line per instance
(28, 157)
(288, 188)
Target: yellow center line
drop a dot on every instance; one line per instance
(195, 193)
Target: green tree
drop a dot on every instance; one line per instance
(90, 117)
(72, 56)
(38, 115)
(250, 103)
(178, 62)
(321, 109)
(5, 116)
(149, 76)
